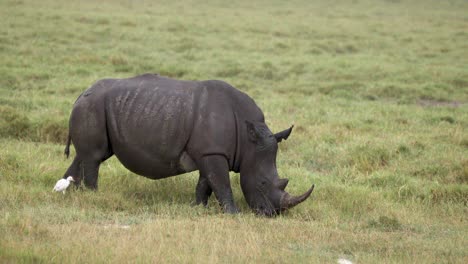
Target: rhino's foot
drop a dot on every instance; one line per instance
(77, 182)
(214, 177)
(197, 203)
(231, 209)
(203, 201)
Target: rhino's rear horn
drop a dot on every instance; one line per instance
(288, 201)
(283, 134)
(282, 183)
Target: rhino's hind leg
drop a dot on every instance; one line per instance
(90, 170)
(88, 132)
(91, 162)
(74, 171)
(215, 169)
(203, 191)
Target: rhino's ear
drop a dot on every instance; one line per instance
(283, 134)
(251, 131)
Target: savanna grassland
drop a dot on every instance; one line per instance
(377, 90)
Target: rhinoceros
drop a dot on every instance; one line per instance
(160, 127)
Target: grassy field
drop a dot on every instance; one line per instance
(377, 90)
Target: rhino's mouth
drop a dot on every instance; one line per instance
(262, 210)
(266, 206)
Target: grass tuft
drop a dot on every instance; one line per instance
(229, 69)
(54, 131)
(9, 164)
(457, 194)
(385, 223)
(13, 123)
(369, 158)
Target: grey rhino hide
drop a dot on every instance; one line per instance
(160, 127)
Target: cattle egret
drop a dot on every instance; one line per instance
(63, 184)
(344, 261)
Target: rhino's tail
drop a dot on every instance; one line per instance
(67, 147)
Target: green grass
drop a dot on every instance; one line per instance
(377, 90)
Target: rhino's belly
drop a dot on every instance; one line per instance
(155, 166)
(148, 127)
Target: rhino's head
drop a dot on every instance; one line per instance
(263, 189)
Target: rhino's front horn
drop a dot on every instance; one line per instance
(288, 201)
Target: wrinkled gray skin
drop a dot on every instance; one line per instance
(160, 127)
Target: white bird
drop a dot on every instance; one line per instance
(63, 184)
(344, 261)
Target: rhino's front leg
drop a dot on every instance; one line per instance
(203, 191)
(215, 169)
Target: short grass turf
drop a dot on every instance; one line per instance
(377, 91)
